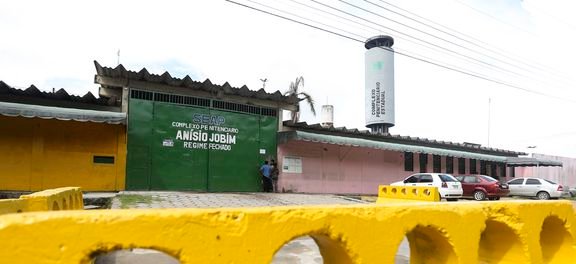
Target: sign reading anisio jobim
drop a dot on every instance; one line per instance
(205, 132)
(175, 147)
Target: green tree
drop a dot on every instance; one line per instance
(293, 90)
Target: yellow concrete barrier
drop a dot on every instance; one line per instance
(9, 206)
(387, 193)
(66, 198)
(482, 232)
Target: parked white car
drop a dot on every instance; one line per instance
(448, 187)
(542, 189)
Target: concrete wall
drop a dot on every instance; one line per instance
(328, 168)
(565, 175)
(38, 154)
(338, 169)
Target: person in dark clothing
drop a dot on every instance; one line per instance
(274, 175)
(265, 172)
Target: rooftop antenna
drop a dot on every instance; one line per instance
(118, 56)
(264, 82)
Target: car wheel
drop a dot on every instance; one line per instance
(496, 198)
(543, 195)
(451, 199)
(479, 195)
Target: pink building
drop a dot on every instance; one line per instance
(314, 159)
(561, 170)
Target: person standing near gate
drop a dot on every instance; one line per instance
(265, 172)
(274, 175)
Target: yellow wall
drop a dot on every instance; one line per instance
(38, 154)
(504, 232)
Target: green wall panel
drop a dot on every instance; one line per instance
(236, 169)
(175, 147)
(175, 167)
(138, 163)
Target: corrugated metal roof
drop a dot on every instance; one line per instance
(61, 113)
(408, 140)
(362, 142)
(531, 162)
(61, 95)
(119, 72)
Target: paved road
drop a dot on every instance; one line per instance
(215, 200)
(299, 251)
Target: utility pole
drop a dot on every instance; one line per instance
(118, 56)
(489, 106)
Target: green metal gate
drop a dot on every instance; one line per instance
(184, 143)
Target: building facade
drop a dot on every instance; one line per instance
(316, 159)
(564, 174)
(194, 136)
(156, 132)
(50, 140)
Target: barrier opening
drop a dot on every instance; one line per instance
(403, 253)
(135, 255)
(71, 202)
(500, 244)
(556, 242)
(64, 206)
(429, 244)
(55, 206)
(299, 250)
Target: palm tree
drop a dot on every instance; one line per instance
(293, 91)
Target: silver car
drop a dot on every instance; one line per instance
(542, 189)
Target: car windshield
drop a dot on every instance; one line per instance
(488, 178)
(551, 182)
(447, 178)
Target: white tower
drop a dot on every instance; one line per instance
(379, 89)
(327, 116)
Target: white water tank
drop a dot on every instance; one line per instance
(327, 116)
(379, 85)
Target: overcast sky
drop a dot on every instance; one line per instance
(52, 44)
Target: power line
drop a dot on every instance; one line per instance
(496, 19)
(434, 47)
(362, 37)
(400, 37)
(486, 64)
(404, 54)
(298, 16)
(475, 41)
(448, 41)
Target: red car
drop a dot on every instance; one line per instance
(481, 187)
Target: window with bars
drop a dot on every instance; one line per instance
(189, 100)
(408, 161)
(461, 166)
(437, 163)
(136, 94)
(493, 170)
(473, 169)
(450, 165)
(423, 158)
(502, 169)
